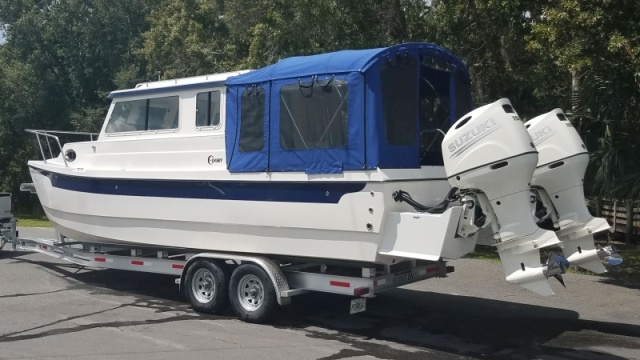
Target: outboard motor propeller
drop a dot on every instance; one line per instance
(489, 156)
(556, 266)
(609, 255)
(558, 184)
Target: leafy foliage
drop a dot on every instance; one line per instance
(186, 38)
(61, 59)
(491, 37)
(599, 43)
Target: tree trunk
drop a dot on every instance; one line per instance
(575, 92)
(629, 226)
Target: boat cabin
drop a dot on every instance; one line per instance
(319, 114)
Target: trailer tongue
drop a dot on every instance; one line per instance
(7, 223)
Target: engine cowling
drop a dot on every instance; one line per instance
(558, 180)
(489, 153)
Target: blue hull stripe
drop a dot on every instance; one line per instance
(278, 191)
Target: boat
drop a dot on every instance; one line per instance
(339, 156)
(295, 159)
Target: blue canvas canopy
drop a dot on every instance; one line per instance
(325, 113)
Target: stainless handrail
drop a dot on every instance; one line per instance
(48, 134)
(91, 134)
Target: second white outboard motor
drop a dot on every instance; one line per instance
(490, 157)
(557, 185)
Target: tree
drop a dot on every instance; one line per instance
(187, 38)
(490, 37)
(61, 58)
(59, 61)
(271, 30)
(598, 42)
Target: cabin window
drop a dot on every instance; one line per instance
(313, 115)
(208, 109)
(399, 77)
(252, 120)
(141, 115)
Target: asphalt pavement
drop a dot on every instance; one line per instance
(54, 310)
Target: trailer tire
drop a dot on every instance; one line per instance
(206, 286)
(252, 294)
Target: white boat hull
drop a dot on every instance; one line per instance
(355, 228)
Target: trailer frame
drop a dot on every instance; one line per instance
(288, 278)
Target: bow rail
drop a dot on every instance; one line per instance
(47, 137)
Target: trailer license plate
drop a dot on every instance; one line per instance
(358, 305)
(403, 278)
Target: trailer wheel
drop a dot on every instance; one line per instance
(252, 294)
(206, 287)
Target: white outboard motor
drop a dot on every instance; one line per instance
(557, 184)
(489, 156)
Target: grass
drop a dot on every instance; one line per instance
(626, 274)
(484, 252)
(28, 220)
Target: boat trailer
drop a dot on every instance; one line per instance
(201, 275)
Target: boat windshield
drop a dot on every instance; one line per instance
(437, 109)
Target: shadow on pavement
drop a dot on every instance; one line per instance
(463, 325)
(441, 325)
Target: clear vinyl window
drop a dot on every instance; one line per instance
(437, 111)
(314, 115)
(399, 99)
(252, 120)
